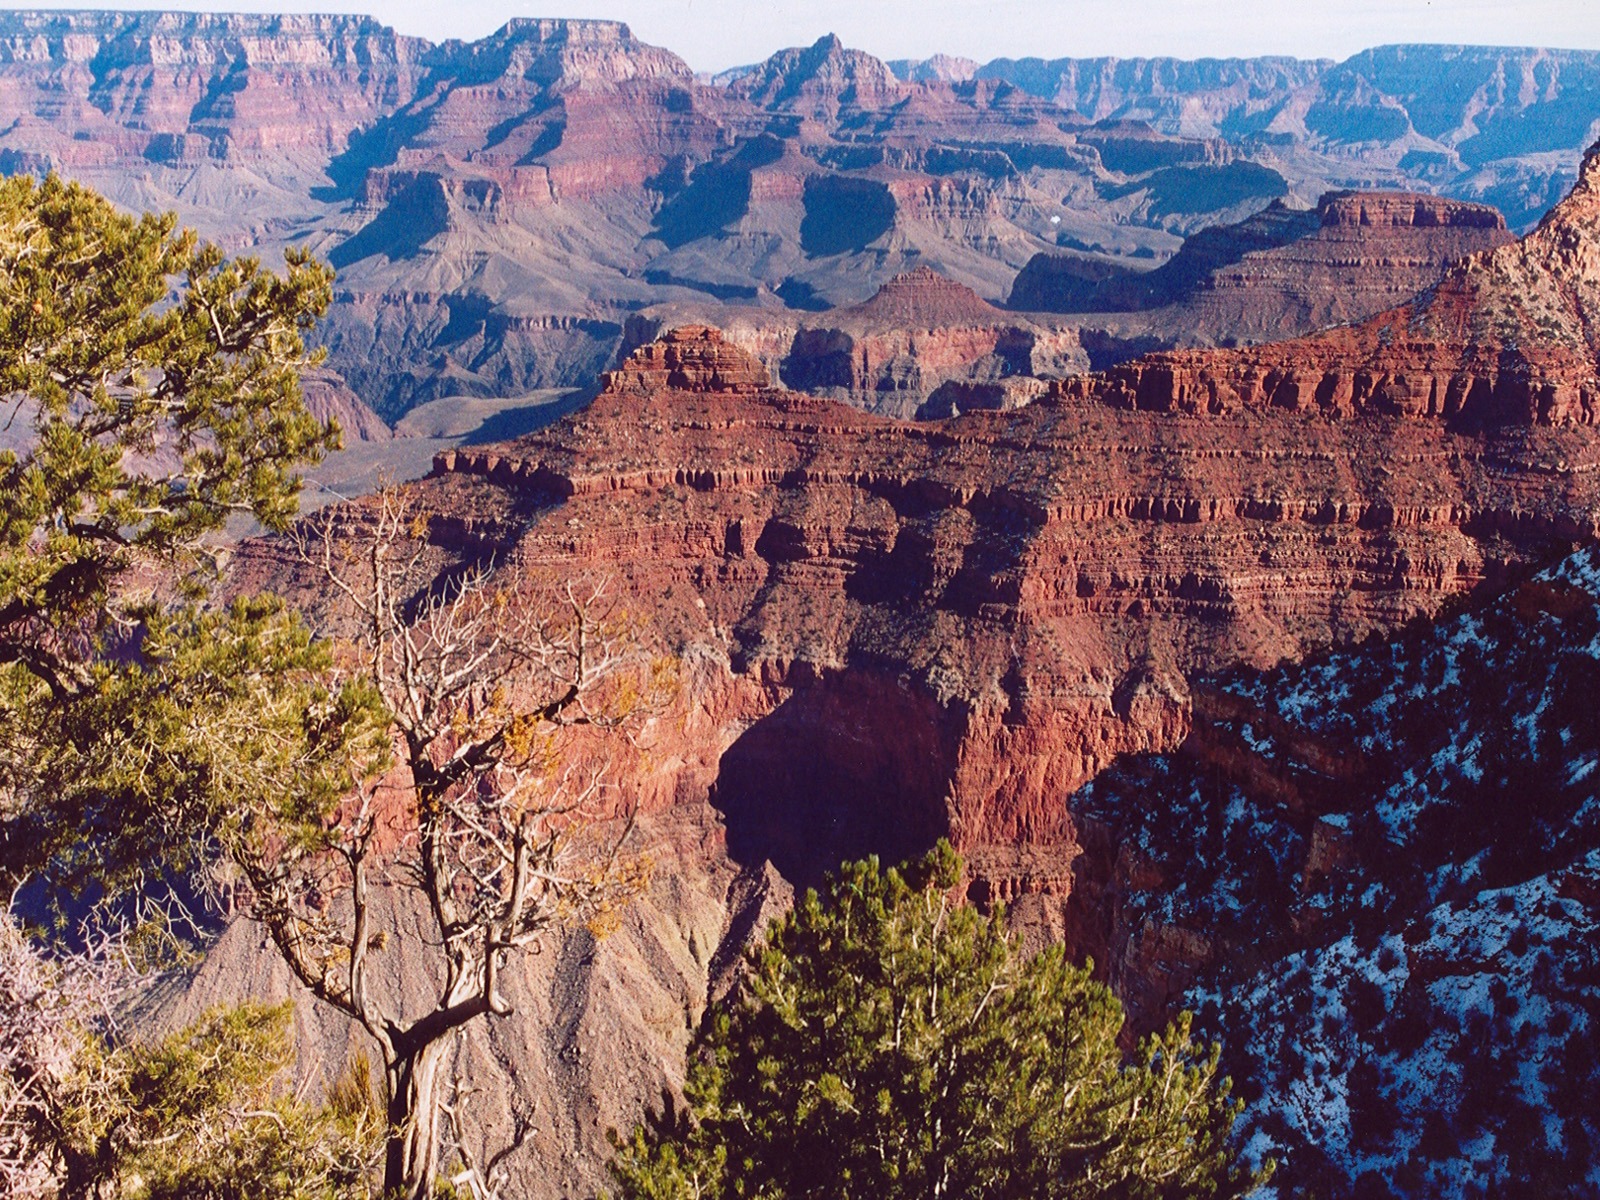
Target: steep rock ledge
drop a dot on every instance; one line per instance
(1507, 336)
(1036, 585)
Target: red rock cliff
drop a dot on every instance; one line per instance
(893, 631)
(1507, 335)
(946, 628)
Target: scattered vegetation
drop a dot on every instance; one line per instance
(154, 745)
(159, 390)
(201, 1114)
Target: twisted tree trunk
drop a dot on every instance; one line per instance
(411, 1156)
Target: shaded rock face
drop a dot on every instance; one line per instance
(1374, 875)
(329, 399)
(1280, 273)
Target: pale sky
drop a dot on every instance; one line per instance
(713, 34)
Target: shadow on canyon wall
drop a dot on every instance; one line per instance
(846, 766)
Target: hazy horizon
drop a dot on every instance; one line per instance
(712, 35)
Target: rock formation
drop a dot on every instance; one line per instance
(1375, 875)
(1281, 273)
(922, 346)
(498, 209)
(329, 399)
(890, 632)
(1506, 336)
(691, 358)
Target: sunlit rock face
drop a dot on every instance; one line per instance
(499, 209)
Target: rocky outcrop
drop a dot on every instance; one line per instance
(328, 398)
(1402, 210)
(691, 358)
(817, 81)
(924, 299)
(1334, 879)
(923, 346)
(890, 632)
(922, 332)
(1505, 337)
(1016, 597)
(1281, 273)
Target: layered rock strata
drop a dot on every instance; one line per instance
(498, 209)
(956, 624)
(692, 358)
(889, 632)
(1281, 273)
(923, 346)
(1507, 335)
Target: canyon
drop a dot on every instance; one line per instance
(1049, 633)
(500, 210)
(1174, 482)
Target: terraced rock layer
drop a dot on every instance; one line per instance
(923, 346)
(499, 209)
(1507, 336)
(961, 622)
(1280, 273)
(892, 631)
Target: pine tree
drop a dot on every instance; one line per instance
(889, 1042)
(201, 1114)
(149, 391)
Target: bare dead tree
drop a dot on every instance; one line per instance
(39, 1022)
(496, 830)
(481, 1179)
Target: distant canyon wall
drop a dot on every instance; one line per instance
(499, 209)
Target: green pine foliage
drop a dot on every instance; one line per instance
(149, 391)
(201, 1116)
(890, 1042)
(159, 384)
(220, 733)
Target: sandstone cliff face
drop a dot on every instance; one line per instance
(1505, 336)
(892, 632)
(1281, 273)
(1019, 597)
(923, 346)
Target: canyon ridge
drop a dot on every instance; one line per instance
(891, 632)
(1176, 483)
